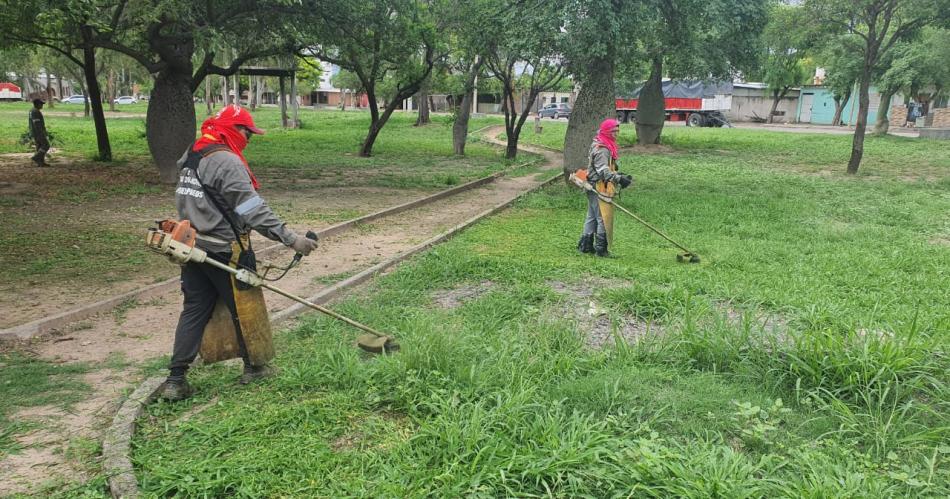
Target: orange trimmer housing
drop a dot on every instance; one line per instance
(180, 231)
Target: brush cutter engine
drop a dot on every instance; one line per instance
(176, 240)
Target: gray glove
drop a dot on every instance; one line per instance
(303, 245)
(623, 180)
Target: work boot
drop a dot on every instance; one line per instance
(174, 390)
(254, 373)
(586, 244)
(600, 245)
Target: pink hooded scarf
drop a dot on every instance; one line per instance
(604, 138)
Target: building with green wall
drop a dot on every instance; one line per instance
(817, 105)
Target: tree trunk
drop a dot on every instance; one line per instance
(110, 90)
(651, 108)
(50, 102)
(283, 103)
(377, 121)
(595, 103)
(237, 82)
(209, 106)
(775, 98)
(260, 91)
(225, 95)
(839, 108)
(836, 119)
(59, 83)
(27, 87)
(295, 103)
(864, 103)
(252, 93)
(80, 78)
(170, 120)
(883, 123)
(460, 127)
(423, 98)
(94, 97)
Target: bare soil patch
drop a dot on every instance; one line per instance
(940, 240)
(47, 451)
(459, 295)
(597, 323)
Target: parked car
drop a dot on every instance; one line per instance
(75, 99)
(125, 99)
(556, 110)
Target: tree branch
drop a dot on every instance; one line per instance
(237, 62)
(42, 42)
(117, 15)
(148, 64)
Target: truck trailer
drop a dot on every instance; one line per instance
(696, 103)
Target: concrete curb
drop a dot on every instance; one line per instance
(46, 324)
(117, 444)
(332, 292)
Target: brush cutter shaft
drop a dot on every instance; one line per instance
(183, 252)
(326, 311)
(584, 184)
(644, 222)
(254, 280)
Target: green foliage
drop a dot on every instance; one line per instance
(347, 80)
(702, 39)
(878, 25)
(840, 57)
(783, 38)
(918, 64)
(391, 46)
(309, 71)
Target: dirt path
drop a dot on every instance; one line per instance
(126, 338)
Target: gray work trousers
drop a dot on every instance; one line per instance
(42, 147)
(201, 284)
(594, 223)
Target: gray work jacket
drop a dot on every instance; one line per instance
(224, 173)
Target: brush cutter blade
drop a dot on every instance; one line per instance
(687, 258)
(377, 344)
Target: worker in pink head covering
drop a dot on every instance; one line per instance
(602, 172)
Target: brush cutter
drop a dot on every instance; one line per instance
(176, 240)
(580, 179)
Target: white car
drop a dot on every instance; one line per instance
(75, 99)
(125, 99)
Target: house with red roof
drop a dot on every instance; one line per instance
(9, 91)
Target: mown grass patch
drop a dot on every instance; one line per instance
(83, 220)
(26, 381)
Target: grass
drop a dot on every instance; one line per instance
(92, 214)
(26, 381)
(846, 396)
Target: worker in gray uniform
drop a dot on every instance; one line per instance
(217, 192)
(604, 174)
(38, 133)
